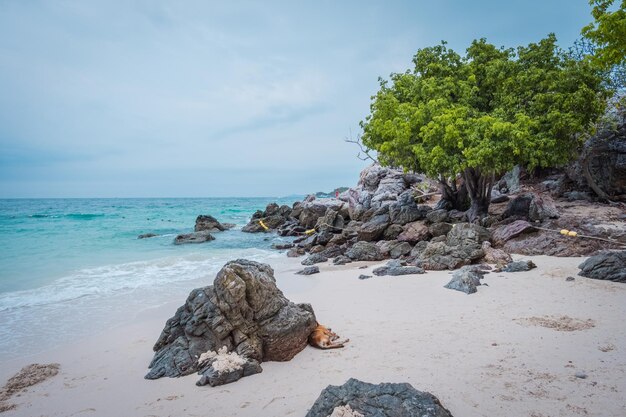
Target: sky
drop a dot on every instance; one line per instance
(231, 98)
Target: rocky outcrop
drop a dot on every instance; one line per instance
(462, 246)
(382, 400)
(273, 217)
(396, 267)
(609, 266)
(309, 270)
(243, 311)
(467, 279)
(532, 206)
(364, 251)
(195, 237)
(315, 258)
(221, 369)
(373, 229)
(205, 222)
(414, 232)
(506, 232)
(519, 266)
(495, 256)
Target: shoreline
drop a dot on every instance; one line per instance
(480, 354)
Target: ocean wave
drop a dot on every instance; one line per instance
(109, 280)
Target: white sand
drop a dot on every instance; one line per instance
(482, 354)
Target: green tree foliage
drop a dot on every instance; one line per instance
(608, 33)
(480, 114)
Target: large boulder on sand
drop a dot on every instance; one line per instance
(382, 400)
(610, 266)
(243, 311)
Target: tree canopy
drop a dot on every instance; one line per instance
(482, 113)
(608, 33)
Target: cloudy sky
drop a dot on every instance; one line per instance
(206, 98)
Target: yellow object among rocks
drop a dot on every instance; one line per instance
(263, 225)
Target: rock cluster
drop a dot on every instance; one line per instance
(205, 224)
(243, 312)
(382, 400)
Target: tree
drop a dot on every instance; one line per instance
(608, 33)
(480, 114)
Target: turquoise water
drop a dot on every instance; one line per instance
(72, 261)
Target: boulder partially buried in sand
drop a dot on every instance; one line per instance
(610, 266)
(382, 400)
(243, 311)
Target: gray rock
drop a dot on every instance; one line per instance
(244, 311)
(382, 400)
(466, 279)
(500, 199)
(195, 237)
(146, 235)
(363, 276)
(205, 222)
(401, 249)
(332, 251)
(437, 216)
(392, 232)
(610, 266)
(509, 231)
(374, 228)
(580, 375)
(438, 255)
(439, 229)
(295, 252)
(282, 246)
(364, 251)
(341, 260)
(570, 279)
(519, 266)
(542, 208)
(405, 209)
(396, 267)
(311, 212)
(467, 233)
(309, 270)
(214, 378)
(331, 221)
(511, 180)
(315, 258)
(414, 232)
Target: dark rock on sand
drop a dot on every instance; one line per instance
(364, 251)
(195, 237)
(382, 400)
(341, 260)
(282, 246)
(214, 378)
(363, 276)
(396, 267)
(466, 279)
(519, 266)
(399, 250)
(463, 246)
(609, 266)
(244, 311)
(309, 270)
(315, 258)
(295, 252)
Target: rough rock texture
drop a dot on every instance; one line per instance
(382, 400)
(244, 311)
(399, 250)
(437, 216)
(295, 252)
(309, 270)
(364, 251)
(610, 266)
(214, 378)
(396, 267)
(532, 206)
(439, 229)
(495, 256)
(519, 266)
(466, 279)
(462, 246)
(273, 217)
(374, 228)
(195, 237)
(331, 221)
(504, 233)
(414, 232)
(205, 222)
(315, 258)
(393, 231)
(602, 163)
(341, 260)
(405, 209)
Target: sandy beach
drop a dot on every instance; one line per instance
(514, 348)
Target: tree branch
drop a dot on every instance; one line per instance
(363, 148)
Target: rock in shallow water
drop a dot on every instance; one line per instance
(195, 237)
(382, 400)
(244, 311)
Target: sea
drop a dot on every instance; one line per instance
(71, 267)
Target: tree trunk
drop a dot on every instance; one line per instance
(479, 189)
(452, 196)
